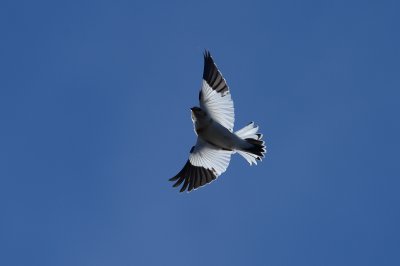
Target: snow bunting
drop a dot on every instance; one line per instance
(216, 141)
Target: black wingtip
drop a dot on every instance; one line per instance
(207, 58)
(193, 177)
(212, 75)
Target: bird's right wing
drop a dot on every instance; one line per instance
(206, 162)
(215, 97)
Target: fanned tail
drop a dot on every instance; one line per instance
(253, 148)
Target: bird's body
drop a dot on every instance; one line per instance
(213, 123)
(217, 135)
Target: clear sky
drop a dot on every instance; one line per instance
(94, 112)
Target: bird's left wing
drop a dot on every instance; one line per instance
(206, 162)
(215, 97)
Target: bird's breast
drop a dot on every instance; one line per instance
(217, 135)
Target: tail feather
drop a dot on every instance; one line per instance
(257, 147)
(254, 147)
(249, 131)
(248, 157)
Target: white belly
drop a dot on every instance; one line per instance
(220, 136)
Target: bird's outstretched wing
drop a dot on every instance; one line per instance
(206, 162)
(215, 97)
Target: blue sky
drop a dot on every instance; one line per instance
(94, 111)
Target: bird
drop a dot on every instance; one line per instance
(216, 141)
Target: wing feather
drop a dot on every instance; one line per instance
(215, 97)
(205, 164)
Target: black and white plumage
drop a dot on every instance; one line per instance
(216, 142)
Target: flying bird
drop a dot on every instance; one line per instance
(216, 141)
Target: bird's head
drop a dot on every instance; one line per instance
(198, 114)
